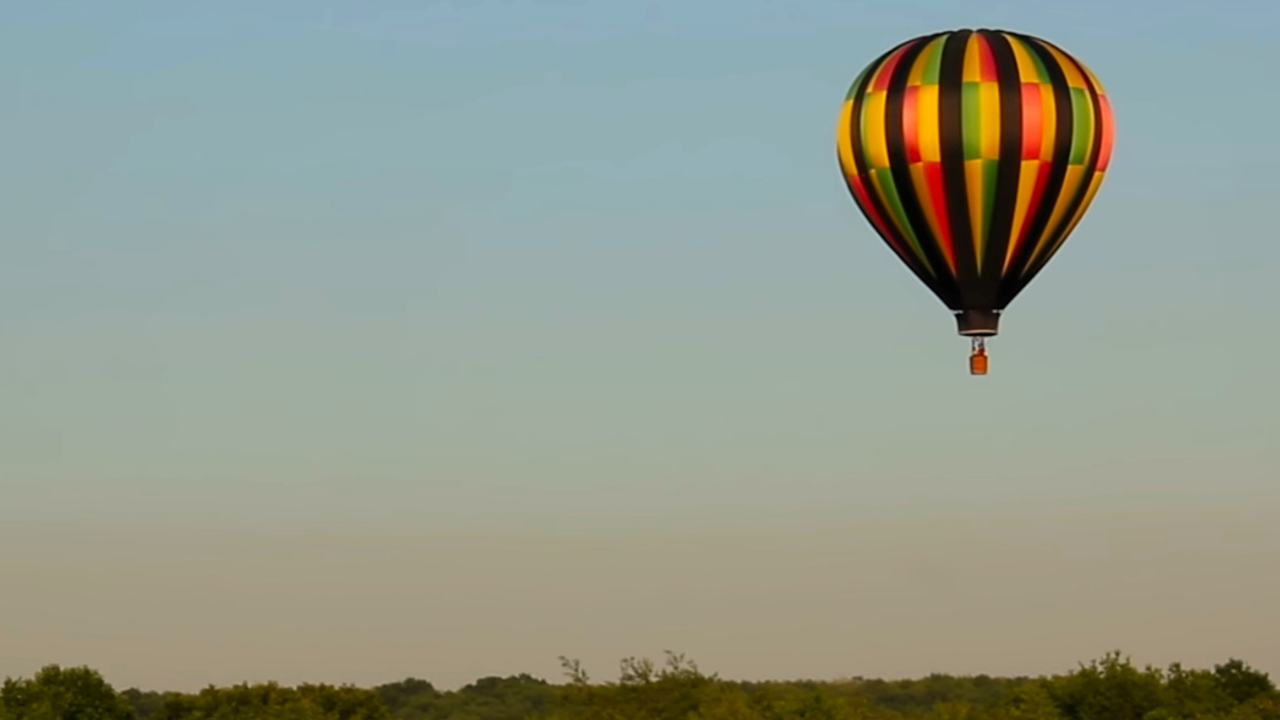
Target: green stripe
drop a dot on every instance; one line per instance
(885, 178)
(1082, 124)
(861, 131)
(989, 172)
(853, 89)
(933, 64)
(971, 117)
(1037, 63)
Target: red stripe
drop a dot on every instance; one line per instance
(860, 194)
(910, 123)
(1032, 120)
(886, 70)
(1108, 130)
(986, 60)
(938, 203)
(1036, 196)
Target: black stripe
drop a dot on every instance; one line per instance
(860, 160)
(951, 141)
(1063, 120)
(895, 140)
(1009, 169)
(1091, 164)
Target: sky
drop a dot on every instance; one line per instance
(352, 341)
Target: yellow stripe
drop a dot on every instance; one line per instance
(973, 183)
(916, 76)
(1066, 233)
(972, 64)
(1088, 200)
(1070, 183)
(1049, 125)
(892, 216)
(844, 143)
(1026, 186)
(926, 205)
(1074, 78)
(989, 109)
(927, 121)
(1026, 66)
(1093, 79)
(873, 138)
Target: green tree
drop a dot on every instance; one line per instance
(494, 698)
(1029, 701)
(1261, 707)
(1193, 693)
(409, 699)
(816, 703)
(57, 693)
(145, 704)
(1108, 689)
(1242, 683)
(270, 701)
(642, 692)
(725, 701)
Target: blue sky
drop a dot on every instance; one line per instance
(450, 297)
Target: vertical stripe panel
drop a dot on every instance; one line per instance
(1007, 166)
(927, 106)
(911, 122)
(953, 128)
(914, 203)
(1107, 130)
(860, 179)
(872, 127)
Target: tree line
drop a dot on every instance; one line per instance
(1110, 688)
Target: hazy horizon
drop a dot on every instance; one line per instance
(348, 342)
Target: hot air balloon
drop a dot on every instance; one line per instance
(974, 154)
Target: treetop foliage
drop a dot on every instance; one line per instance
(1109, 688)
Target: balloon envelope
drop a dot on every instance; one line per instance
(974, 154)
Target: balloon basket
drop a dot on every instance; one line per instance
(978, 358)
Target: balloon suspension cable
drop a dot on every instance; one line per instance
(978, 357)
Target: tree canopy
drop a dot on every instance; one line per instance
(1109, 688)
